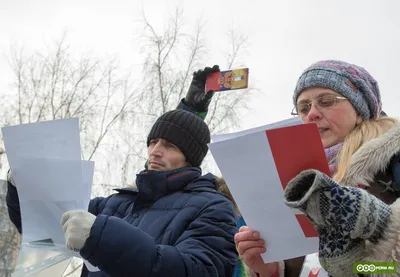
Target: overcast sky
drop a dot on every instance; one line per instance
(285, 37)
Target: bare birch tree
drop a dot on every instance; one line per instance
(116, 110)
(54, 84)
(171, 57)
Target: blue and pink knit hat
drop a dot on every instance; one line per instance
(351, 81)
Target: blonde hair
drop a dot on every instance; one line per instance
(366, 131)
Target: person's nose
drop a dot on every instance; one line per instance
(157, 150)
(313, 115)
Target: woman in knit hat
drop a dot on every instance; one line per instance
(363, 150)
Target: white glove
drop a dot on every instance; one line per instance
(76, 226)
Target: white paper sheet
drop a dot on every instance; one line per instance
(51, 139)
(47, 188)
(51, 179)
(284, 123)
(48, 179)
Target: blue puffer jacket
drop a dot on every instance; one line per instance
(174, 224)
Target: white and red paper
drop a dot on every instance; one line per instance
(257, 165)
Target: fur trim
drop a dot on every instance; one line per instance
(388, 248)
(132, 186)
(222, 187)
(373, 157)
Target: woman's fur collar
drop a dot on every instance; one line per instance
(373, 157)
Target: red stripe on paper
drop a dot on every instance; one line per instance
(294, 149)
(306, 225)
(297, 148)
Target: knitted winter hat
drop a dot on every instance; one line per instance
(350, 80)
(186, 130)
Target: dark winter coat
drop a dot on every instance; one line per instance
(174, 224)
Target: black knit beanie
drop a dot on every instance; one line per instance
(185, 130)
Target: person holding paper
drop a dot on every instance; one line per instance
(196, 101)
(358, 219)
(175, 223)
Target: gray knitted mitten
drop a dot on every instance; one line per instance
(344, 217)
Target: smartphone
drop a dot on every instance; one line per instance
(228, 80)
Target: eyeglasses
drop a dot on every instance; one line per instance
(323, 102)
